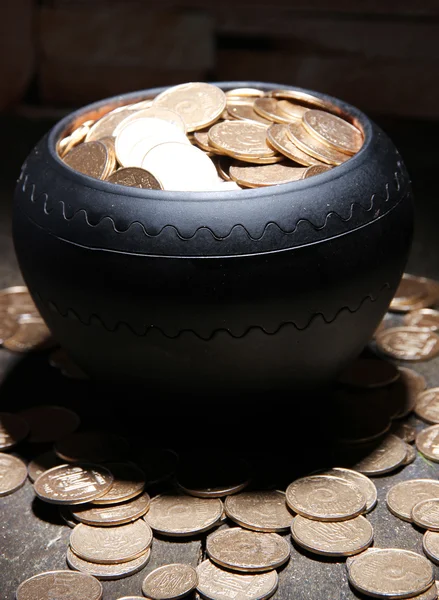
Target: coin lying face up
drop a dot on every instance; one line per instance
(170, 582)
(54, 584)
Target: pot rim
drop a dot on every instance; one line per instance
(206, 196)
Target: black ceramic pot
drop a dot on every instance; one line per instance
(262, 289)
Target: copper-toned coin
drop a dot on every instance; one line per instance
(404, 393)
(325, 498)
(222, 164)
(391, 573)
(427, 406)
(50, 423)
(170, 582)
(333, 131)
(344, 538)
(427, 442)
(111, 545)
(135, 177)
(55, 584)
(13, 474)
(410, 456)
(402, 497)
(316, 170)
(13, 429)
(245, 92)
(156, 112)
(8, 327)
(388, 456)
(241, 139)
(277, 137)
(244, 111)
(292, 110)
(201, 138)
(90, 158)
(369, 373)
(129, 482)
(92, 446)
(106, 125)
(260, 511)
(303, 98)
(366, 486)
(425, 318)
(425, 514)
(118, 514)
(17, 301)
(42, 463)
(212, 476)
(65, 513)
(108, 572)
(76, 137)
(179, 516)
(199, 104)
(410, 292)
(248, 551)
(62, 361)
(307, 143)
(430, 545)
(404, 431)
(217, 584)
(73, 484)
(408, 343)
(267, 108)
(264, 175)
(31, 335)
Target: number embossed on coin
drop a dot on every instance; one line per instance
(386, 457)
(111, 545)
(260, 511)
(178, 515)
(107, 572)
(118, 514)
(366, 486)
(325, 498)
(342, 538)
(249, 551)
(391, 572)
(427, 442)
(13, 474)
(402, 497)
(408, 343)
(13, 429)
(73, 484)
(170, 582)
(55, 585)
(426, 514)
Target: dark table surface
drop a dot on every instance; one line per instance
(280, 438)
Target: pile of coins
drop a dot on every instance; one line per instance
(110, 500)
(196, 137)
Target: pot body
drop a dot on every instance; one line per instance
(268, 289)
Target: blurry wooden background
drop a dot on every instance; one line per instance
(380, 55)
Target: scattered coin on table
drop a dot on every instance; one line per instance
(128, 482)
(427, 406)
(260, 511)
(107, 572)
(170, 582)
(42, 463)
(13, 474)
(424, 318)
(408, 343)
(402, 497)
(54, 585)
(13, 430)
(114, 514)
(366, 485)
(430, 545)
(77, 483)
(384, 458)
(427, 442)
(425, 514)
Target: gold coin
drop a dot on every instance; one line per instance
(305, 99)
(135, 177)
(366, 485)
(245, 93)
(260, 511)
(291, 109)
(107, 124)
(17, 301)
(118, 514)
(278, 138)
(92, 446)
(129, 482)
(316, 170)
(179, 516)
(157, 112)
(46, 586)
(310, 145)
(333, 131)
(427, 406)
(325, 498)
(13, 429)
(50, 423)
(42, 463)
(344, 538)
(8, 327)
(76, 137)
(108, 572)
(267, 108)
(91, 158)
(425, 514)
(73, 484)
(31, 335)
(201, 138)
(408, 343)
(404, 431)
(198, 104)
(402, 497)
(222, 164)
(170, 582)
(111, 545)
(386, 457)
(424, 318)
(404, 393)
(390, 572)
(427, 442)
(264, 175)
(430, 545)
(248, 551)
(13, 474)
(414, 293)
(241, 139)
(244, 111)
(217, 584)
(369, 373)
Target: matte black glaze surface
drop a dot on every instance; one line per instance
(257, 289)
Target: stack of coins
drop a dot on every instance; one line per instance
(195, 137)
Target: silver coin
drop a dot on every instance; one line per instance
(391, 572)
(107, 572)
(216, 584)
(170, 582)
(430, 545)
(342, 538)
(248, 551)
(425, 514)
(117, 514)
(365, 484)
(73, 484)
(54, 585)
(325, 498)
(13, 429)
(386, 457)
(178, 515)
(402, 497)
(260, 511)
(13, 474)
